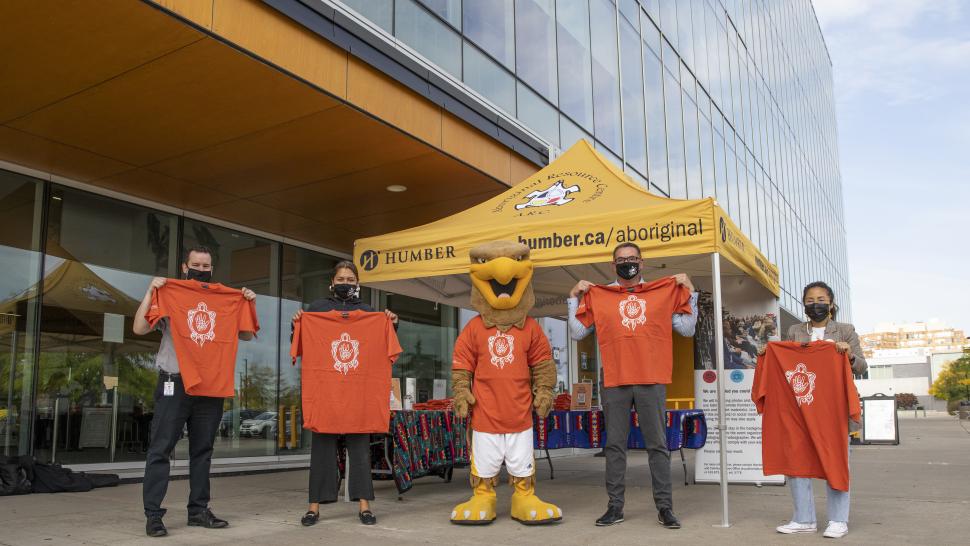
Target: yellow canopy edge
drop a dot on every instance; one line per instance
(573, 211)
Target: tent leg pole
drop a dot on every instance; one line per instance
(719, 358)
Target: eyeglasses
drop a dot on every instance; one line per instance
(627, 260)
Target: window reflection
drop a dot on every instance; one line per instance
(535, 38)
(635, 141)
(575, 62)
(488, 78)
(606, 85)
(96, 380)
(20, 200)
(427, 35)
(489, 23)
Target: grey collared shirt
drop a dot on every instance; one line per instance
(165, 359)
(682, 323)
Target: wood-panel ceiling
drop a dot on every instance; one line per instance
(131, 99)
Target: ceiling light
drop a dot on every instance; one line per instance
(396, 188)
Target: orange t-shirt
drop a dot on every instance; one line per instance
(805, 394)
(501, 365)
(346, 377)
(205, 321)
(633, 329)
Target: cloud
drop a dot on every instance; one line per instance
(900, 51)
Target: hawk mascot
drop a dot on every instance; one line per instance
(502, 369)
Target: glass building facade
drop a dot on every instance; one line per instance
(77, 386)
(695, 98)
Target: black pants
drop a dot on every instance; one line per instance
(650, 402)
(201, 414)
(324, 474)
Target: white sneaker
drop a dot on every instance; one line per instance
(836, 529)
(793, 527)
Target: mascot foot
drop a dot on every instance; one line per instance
(480, 509)
(527, 508)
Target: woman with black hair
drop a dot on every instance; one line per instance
(820, 308)
(345, 296)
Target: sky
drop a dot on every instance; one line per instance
(902, 87)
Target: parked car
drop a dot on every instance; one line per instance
(263, 425)
(225, 426)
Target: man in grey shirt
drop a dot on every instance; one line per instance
(175, 409)
(650, 401)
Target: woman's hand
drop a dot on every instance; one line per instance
(762, 349)
(297, 315)
(248, 294)
(391, 315)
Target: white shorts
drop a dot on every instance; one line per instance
(489, 451)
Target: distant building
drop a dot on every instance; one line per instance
(933, 335)
(913, 370)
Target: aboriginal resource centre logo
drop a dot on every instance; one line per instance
(543, 194)
(555, 195)
(723, 228)
(737, 376)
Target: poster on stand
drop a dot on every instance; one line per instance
(750, 320)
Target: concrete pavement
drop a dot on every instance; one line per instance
(914, 493)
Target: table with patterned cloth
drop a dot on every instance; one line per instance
(420, 443)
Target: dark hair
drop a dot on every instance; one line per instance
(834, 309)
(344, 264)
(199, 249)
(626, 245)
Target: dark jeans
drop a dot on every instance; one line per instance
(650, 402)
(202, 415)
(324, 474)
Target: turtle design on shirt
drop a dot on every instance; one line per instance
(501, 292)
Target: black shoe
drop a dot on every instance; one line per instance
(207, 519)
(154, 527)
(367, 517)
(667, 518)
(310, 518)
(613, 515)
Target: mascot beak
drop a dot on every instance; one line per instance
(502, 281)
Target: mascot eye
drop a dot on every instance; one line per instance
(520, 258)
(482, 260)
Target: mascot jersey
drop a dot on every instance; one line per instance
(205, 321)
(503, 382)
(347, 358)
(633, 329)
(805, 394)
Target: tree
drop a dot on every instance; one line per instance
(906, 400)
(953, 383)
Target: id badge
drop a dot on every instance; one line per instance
(168, 388)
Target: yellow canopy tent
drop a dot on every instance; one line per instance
(572, 213)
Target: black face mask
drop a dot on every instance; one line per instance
(628, 271)
(198, 275)
(817, 311)
(345, 291)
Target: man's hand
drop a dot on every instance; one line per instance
(391, 315)
(297, 315)
(580, 289)
(156, 283)
(683, 280)
(842, 347)
(762, 349)
(248, 294)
